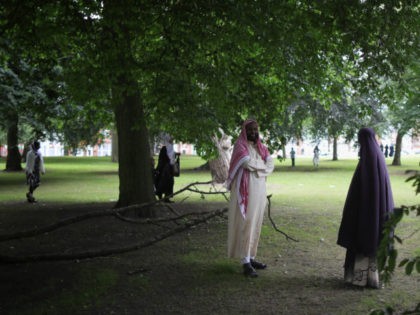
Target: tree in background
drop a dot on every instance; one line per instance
(404, 113)
(24, 107)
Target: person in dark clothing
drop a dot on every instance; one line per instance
(164, 178)
(368, 205)
(292, 156)
(34, 166)
(391, 150)
(386, 151)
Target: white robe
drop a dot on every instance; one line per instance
(244, 233)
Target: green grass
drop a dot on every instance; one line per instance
(91, 179)
(87, 290)
(307, 203)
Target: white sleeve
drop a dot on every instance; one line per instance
(262, 168)
(29, 162)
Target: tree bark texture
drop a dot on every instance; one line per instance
(13, 155)
(134, 160)
(398, 145)
(135, 171)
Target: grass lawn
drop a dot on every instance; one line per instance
(189, 272)
(90, 179)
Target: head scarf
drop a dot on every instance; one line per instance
(35, 146)
(369, 200)
(239, 155)
(163, 159)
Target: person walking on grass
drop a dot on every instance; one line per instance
(292, 156)
(368, 206)
(34, 166)
(315, 160)
(250, 164)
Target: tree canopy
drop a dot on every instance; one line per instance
(191, 67)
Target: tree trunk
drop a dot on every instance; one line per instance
(135, 170)
(335, 153)
(13, 155)
(134, 160)
(219, 167)
(114, 148)
(398, 145)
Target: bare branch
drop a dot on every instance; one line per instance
(90, 215)
(274, 225)
(111, 251)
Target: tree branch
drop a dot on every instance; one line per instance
(90, 215)
(111, 251)
(274, 225)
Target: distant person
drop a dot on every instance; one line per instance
(391, 150)
(250, 165)
(315, 160)
(381, 147)
(292, 156)
(386, 151)
(34, 166)
(368, 205)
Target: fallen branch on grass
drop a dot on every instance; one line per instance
(111, 251)
(118, 213)
(65, 222)
(274, 225)
(160, 220)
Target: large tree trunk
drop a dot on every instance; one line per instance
(13, 155)
(135, 171)
(335, 153)
(134, 160)
(397, 155)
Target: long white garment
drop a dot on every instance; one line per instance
(364, 272)
(244, 233)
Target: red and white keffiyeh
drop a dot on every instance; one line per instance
(240, 154)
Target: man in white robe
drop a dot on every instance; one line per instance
(250, 164)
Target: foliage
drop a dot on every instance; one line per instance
(227, 61)
(404, 111)
(387, 254)
(188, 68)
(32, 82)
(20, 91)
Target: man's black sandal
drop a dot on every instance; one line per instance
(257, 264)
(249, 271)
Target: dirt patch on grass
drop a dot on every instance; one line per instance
(187, 273)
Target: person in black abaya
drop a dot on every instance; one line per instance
(164, 178)
(368, 205)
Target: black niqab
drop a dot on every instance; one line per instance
(369, 200)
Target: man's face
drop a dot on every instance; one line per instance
(252, 132)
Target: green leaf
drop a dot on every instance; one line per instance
(403, 262)
(409, 268)
(399, 240)
(392, 260)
